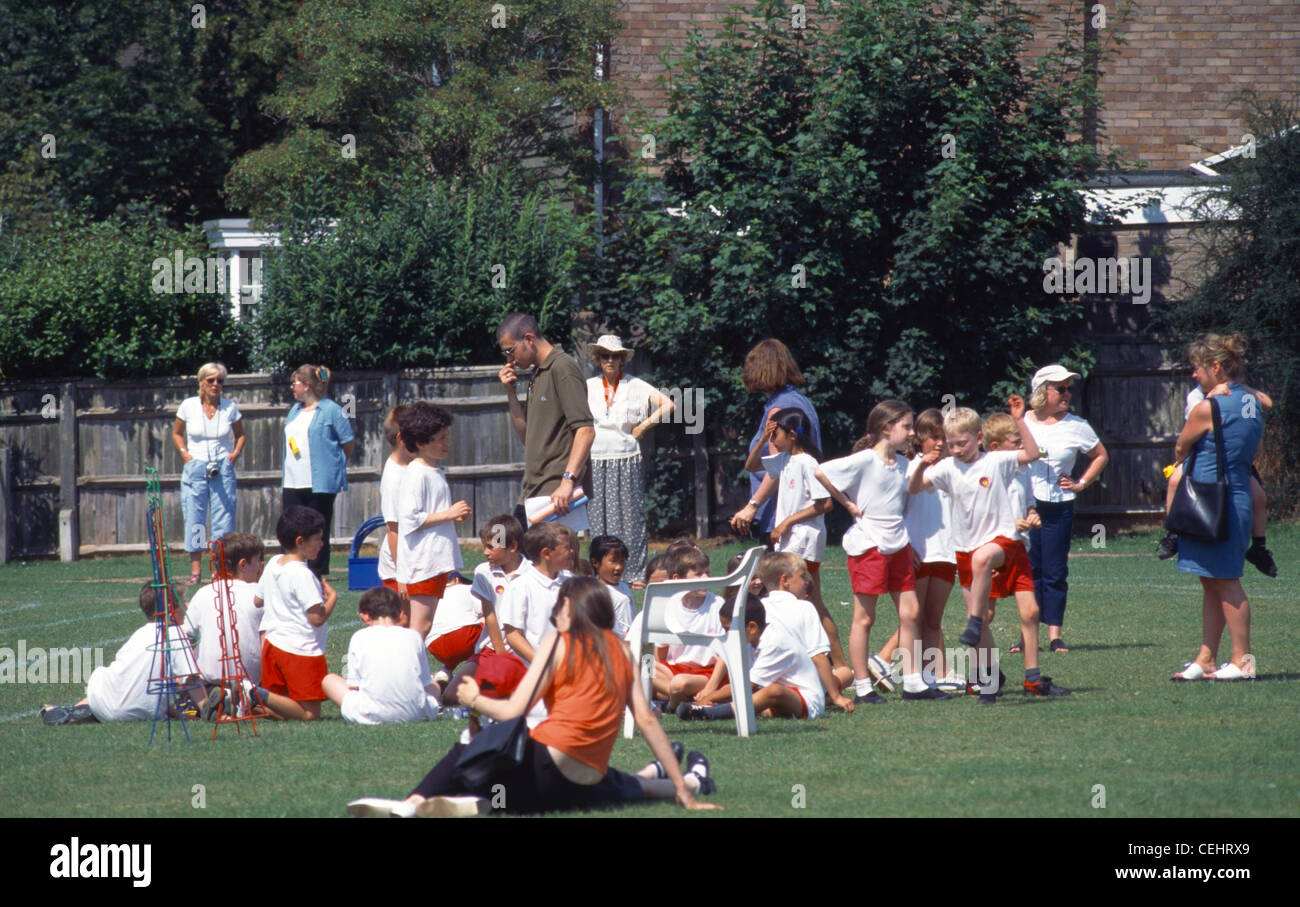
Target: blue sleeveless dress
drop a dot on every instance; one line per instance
(1242, 427)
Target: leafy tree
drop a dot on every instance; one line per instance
(139, 103)
(879, 189)
(1248, 243)
(79, 299)
(416, 273)
(452, 87)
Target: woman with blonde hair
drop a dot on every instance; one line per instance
(209, 434)
(318, 439)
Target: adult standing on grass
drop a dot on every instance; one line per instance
(1219, 365)
(584, 674)
(1061, 437)
(210, 436)
(624, 408)
(556, 430)
(318, 440)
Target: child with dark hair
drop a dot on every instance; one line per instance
(388, 671)
(120, 691)
(298, 604)
(241, 569)
(608, 557)
(427, 548)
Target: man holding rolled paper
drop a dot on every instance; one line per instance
(556, 428)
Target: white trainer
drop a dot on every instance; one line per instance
(381, 808)
(880, 674)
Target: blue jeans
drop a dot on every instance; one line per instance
(1049, 556)
(202, 497)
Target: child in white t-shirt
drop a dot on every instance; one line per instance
(241, 571)
(388, 671)
(801, 502)
(784, 680)
(427, 547)
(120, 691)
(680, 671)
(983, 524)
(297, 606)
(458, 626)
(390, 486)
(608, 556)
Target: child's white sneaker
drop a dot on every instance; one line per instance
(452, 807)
(951, 682)
(880, 674)
(380, 808)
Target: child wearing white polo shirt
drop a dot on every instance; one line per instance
(388, 671)
(427, 547)
(525, 609)
(608, 556)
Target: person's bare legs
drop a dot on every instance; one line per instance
(778, 701)
(864, 615)
(1027, 604)
(886, 653)
(1234, 609)
(683, 689)
(909, 630)
(422, 611)
(1212, 624)
(335, 688)
(933, 594)
(828, 622)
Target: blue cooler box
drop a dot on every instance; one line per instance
(363, 572)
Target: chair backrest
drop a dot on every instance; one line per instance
(659, 595)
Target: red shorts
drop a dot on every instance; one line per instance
(498, 675)
(689, 667)
(873, 573)
(814, 567)
(434, 586)
(295, 676)
(454, 647)
(390, 583)
(1016, 573)
(942, 570)
(803, 702)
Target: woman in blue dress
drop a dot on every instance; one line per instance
(1219, 368)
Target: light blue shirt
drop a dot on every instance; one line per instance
(328, 432)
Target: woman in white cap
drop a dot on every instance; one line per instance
(1061, 437)
(624, 408)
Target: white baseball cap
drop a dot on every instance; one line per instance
(1051, 373)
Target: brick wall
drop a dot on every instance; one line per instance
(1168, 93)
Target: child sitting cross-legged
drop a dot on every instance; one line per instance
(783, 677)
(388, 671)
(241, 570)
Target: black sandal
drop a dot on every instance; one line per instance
(1058, 645)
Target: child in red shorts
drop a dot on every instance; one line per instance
(297, 605)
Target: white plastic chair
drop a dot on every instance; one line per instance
(735, 648)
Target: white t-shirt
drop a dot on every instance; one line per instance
(1059, 446)
(390, 669)
(702, 621)
(528, 602)
(798, 488)
(629, 406)
(120, 691)
(1194, 396)
(390, 484)
(621, 597)
(432, 551)
(781, 659)
(287, 589)
(202, 616)
(489, 585)
(928, 516)
(207, 439)
(457, 608)
(880, 493)
(297, 466)
(800, 618)
(981, 503)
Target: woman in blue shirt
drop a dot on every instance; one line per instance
(318, 440)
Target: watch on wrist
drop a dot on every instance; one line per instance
(570, 476)
(753, 503)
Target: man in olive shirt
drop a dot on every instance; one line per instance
(557, 429)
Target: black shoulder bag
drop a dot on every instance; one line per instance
(498, 748)
(1201, 510)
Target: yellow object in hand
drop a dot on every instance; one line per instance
(1168, 470)
(293, 445)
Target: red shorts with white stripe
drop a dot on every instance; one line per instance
(1016, 573)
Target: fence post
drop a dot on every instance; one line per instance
(69, 521)
(701, 458)
(6, 505)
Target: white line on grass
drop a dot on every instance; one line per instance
(29, 713)
(5, 609)
(69, 620)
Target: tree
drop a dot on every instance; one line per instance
(1248, 243)
(112, 102)
(416, 274)
(448, 86)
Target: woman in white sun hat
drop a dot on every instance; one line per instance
(1062, 437)
(624, 408)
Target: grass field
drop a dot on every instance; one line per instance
(1157, 748)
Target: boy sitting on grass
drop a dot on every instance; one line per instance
(388, 671)
(242, 568)
(120, 691)
(297, 604)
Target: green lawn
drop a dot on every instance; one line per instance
(1157, 748)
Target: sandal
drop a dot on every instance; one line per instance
(1229, 671)
(1018, 646)
(194, 579)
(1190, 671)
(1058, 645)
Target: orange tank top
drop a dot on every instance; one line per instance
(583, 717)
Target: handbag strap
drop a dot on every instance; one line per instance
(529, 704)
(1218, 440)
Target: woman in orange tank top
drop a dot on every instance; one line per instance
(585, 686)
